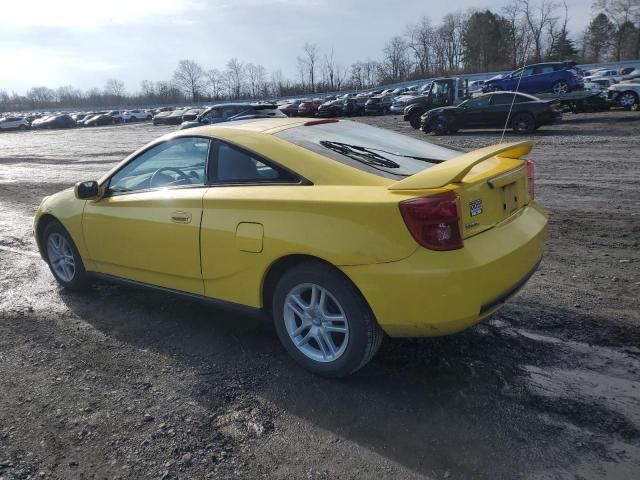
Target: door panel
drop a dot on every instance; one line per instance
(151, 237)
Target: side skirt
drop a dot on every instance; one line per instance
(222, 304)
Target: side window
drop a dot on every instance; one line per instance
(178, 162)
(479, 102)
(234, 165)
(502, 99)
(527, 72)
(546, 69)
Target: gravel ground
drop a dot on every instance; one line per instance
(122, 383)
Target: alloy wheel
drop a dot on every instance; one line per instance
(627, 100)
(316, 322)
(560, 87)
(60, 257)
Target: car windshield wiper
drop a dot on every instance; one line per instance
(370, 155)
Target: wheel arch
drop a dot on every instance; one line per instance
(282, 265)
(43, 221)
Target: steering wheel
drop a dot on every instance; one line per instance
(156, 175)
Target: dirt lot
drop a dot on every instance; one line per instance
(121, 383)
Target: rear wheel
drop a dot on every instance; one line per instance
(323, 322)
(22, 127)
(560, 87)
(439, 126)
(63, 258)
(523, 123)
(628, 100)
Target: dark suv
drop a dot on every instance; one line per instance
(556, 77)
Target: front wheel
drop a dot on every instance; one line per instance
(439, 126)
(323, 321)
(63, 258)
(414, 120)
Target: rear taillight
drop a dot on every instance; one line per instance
(531, 178)
(434, 221)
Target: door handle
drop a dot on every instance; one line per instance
(181, 217)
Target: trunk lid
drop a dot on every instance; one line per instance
(491, 184)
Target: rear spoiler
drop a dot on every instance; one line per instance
(454, 170)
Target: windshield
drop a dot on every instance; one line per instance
(371, 149)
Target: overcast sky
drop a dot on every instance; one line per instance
(82, 42)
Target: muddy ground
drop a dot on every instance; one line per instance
(122, 383)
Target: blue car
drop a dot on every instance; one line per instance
(556, 77)
(227, 112)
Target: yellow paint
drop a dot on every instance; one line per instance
(347, 217)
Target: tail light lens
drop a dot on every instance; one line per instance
(531, 179)
(434, 222)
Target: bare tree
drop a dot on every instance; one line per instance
(214, 81)
(189, 76)
(257, 77)
(310, 59)
(396, 59)
(235, 76)
(538, 19)
(277, 82)
(114, 88)
(330, 67)
(301, 68)
(518, 34)
(420, 41)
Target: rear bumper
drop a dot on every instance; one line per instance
(438, 293)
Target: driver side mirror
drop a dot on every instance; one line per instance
(87, 190)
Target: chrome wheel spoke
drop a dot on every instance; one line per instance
(61, 257)
(316, 322)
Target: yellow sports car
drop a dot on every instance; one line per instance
(341, 231)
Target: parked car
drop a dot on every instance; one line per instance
(100, 120)
(476, 87)
(614, 74)
(55, 121)
(556, 77)
(134, 115)
(162, 118)
(402, 102)
(233, 111)
(599, 84)
(335, 268)
(632, 75)
(308, 108)
(116, 115)
(87, 117)
(378, 105)
(521, 112)
(331, 108)
(191, 114)
(77, 117)
(352, 107)
(627, 95)
(173, 117)
(290, 109)
(14, 123)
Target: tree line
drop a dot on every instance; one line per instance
(475, 41)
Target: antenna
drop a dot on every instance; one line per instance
(513, 99)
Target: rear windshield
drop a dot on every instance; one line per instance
(382, 152)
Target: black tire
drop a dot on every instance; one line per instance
(364, 334)
(453, 130)
(414, 120)
(560, 87)
(22, 127)
(439, 125)
(80, 279)
(523, 123)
